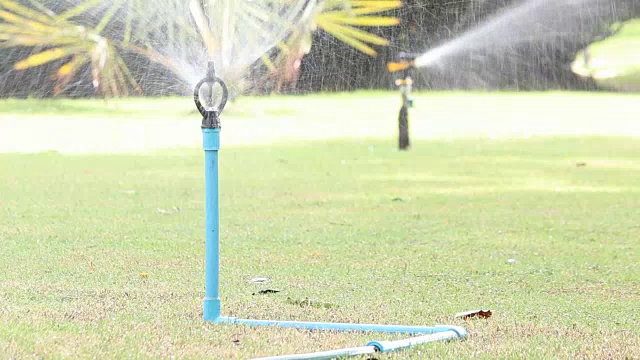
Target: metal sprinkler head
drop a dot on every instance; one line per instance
(211, 111)
(407, 55)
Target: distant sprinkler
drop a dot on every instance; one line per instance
(404, 64)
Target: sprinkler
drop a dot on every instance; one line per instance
(405, 64)
(211, 145)
(211, 112)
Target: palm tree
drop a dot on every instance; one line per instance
(71, 36)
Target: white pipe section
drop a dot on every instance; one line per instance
(372, 347)
(326, 355)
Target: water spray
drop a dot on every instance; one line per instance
(211, 111)
(522, 22)
(405, 64)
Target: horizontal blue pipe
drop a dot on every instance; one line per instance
(372, 347)
(326, 355)
(309, 325)
(395, 345)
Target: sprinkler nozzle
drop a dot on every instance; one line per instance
(211, 113)
(211, 71)
(399, 66)
(404, 61)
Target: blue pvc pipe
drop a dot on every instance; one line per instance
(389, 346)
(211, 145)
(212, 308)
(309, 325)
(373, 347)
(326, 355)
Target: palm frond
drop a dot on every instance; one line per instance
(95, 33)
(342, 23)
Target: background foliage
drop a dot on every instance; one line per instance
(111, 54)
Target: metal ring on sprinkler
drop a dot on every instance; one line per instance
(210, 116)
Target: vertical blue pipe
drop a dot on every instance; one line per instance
(211, 145)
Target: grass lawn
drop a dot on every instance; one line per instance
(102, 255)
(141, 125)
(615, 61)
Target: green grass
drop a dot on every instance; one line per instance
(137, 125)
(119, 107)
(384, 236)
(615, 61)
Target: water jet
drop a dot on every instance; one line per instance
(527, 21)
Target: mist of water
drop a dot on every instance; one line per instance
(525, 22)
(181, 35)
(235, 34)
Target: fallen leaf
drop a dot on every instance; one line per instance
(260, 280)
(174, 209)
(266, 291)
(480, 314)
(236, 338)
